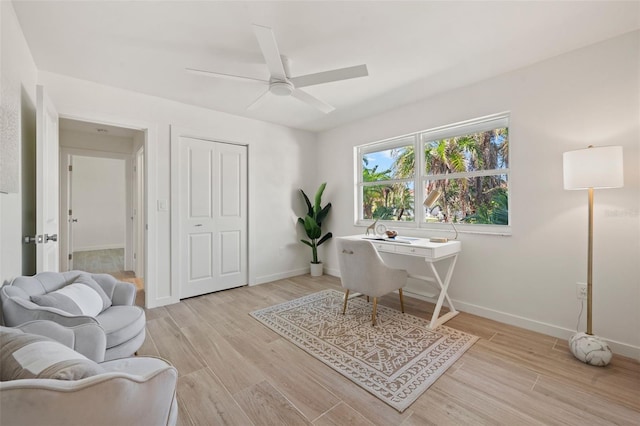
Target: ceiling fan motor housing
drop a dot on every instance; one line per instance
(281, 88)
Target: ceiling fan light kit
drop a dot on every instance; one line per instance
(280, 83)
(281, 88)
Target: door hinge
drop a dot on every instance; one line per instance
(70, 256)
(70, 213)
(70, 168)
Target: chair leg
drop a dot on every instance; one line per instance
(401, 300)
(367, 299)
(346, 299)
(373, 313)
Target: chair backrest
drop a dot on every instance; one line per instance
(42, 283)
(363, 270)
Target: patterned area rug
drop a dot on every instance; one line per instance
(396, 361)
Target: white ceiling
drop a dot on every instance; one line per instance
(412, 49)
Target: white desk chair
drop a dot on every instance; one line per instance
(363, 270)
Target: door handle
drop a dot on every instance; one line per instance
(74, 220)
(199, 224)
(35, 239)
(48, 238)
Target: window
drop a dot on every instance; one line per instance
(468, 163)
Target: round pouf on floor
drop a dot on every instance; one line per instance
(590, 349)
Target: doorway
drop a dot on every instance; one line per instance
(102, 200)
(97, 202)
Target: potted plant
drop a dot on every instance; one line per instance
(312, 224)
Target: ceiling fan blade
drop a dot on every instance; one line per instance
(312, 100)
(270, 51)
(261, 99)
(225, 76)
(329, 76)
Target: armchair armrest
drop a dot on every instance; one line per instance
(87, 339)
(124, 294)
(133, 398)
(121, 293)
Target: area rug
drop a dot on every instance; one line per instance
(397, 360)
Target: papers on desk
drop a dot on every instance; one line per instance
(405, 240)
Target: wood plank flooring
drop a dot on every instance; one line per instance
(235, 371)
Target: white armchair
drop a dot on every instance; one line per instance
(127, 391)
(120, 324)
(363, 270)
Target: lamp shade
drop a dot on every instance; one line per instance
(599, 167)
(432, 198)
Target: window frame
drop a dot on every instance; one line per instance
(420, 177)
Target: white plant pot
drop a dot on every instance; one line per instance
(316, 269)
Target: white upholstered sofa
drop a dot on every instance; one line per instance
(116, 320)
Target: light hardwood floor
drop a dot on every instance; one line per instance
(233, 370)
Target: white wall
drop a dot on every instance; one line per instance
(281, 160)
(589, 96)
(18, 75)
(98, 142)
(99, 201)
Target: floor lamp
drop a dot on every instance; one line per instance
(591, 168)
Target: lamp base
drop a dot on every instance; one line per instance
(590, 349)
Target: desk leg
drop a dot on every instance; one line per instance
(435, 320)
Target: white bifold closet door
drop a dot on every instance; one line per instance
(213, 216)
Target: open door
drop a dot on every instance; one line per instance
(47, 184)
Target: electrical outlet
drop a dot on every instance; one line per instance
(581, 291)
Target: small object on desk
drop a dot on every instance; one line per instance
(438, 240)
(371, 228)
(391, 234)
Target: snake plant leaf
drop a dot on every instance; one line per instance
(311, 227)
(318, 198)
(327, 236)
(308, 203)
(323, 214)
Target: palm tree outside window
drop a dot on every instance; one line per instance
(468, 162)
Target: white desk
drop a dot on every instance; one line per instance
(431, 253)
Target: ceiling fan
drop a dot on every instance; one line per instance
(280, 83)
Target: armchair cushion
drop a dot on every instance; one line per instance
(29, 356)
(121, 323)
(90, 282)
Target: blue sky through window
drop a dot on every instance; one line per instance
(382, 159)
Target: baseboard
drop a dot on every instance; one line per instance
(332, 272)
(280, 276)
(619, 348)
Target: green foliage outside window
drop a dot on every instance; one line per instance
(471, 170)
